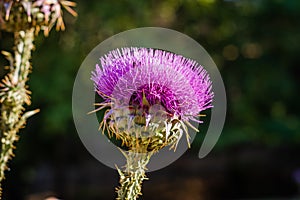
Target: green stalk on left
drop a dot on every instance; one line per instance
(24, 19)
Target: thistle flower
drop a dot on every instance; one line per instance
(18, 15)
(142, 78)
(151, 96)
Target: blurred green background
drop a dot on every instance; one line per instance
(256, 46)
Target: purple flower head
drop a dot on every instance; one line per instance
(143, 77)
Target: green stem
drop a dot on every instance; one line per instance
(13, 96)
(132, 178)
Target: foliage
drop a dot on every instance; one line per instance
(254, 48)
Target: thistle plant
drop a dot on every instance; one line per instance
(24, 19)
(150, 97)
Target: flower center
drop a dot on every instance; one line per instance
(152, 101)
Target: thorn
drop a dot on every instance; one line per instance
(30, 113)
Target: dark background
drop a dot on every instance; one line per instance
(256, 46)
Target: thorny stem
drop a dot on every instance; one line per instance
(23, 18)
(13, 96)
(132, 178)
